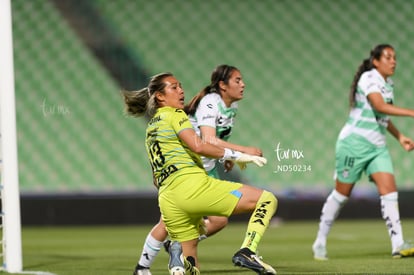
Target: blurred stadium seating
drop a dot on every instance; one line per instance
(297, 59)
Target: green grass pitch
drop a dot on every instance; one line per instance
(354, 247)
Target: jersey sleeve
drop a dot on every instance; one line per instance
(180, 121)
(207, 112)
(370, 84)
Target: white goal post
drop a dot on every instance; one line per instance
(11, 224)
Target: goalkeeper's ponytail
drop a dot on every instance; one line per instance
(135, 101)
(138, 103)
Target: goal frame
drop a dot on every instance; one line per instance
(10, 199)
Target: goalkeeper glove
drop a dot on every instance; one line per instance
(240, 157)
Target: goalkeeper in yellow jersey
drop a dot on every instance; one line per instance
(212, 113)
(185, 192)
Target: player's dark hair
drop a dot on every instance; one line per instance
(220, 73)
(137, 103)
(366, 65)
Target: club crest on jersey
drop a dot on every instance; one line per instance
(345, 173)
(183, 120)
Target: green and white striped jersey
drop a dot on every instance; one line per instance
(363, 120)
(212, 112)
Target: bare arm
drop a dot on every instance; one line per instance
(393, 130)
(379, 105)
(194, 142)
(405, 142)
(209, 135)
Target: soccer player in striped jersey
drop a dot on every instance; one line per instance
(361, 148)
(186, 192)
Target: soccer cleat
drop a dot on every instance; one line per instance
(141, 270)
(319, 252)
(189, 264)
(176, 262)
(405, 250)
(167, 245)
(246, 258)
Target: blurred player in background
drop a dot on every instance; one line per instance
(361, 147)
(186, 192)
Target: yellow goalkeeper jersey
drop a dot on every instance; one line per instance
(168, 155)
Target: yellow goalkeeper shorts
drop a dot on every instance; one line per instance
(189, 197)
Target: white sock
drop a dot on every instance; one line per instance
(150, 251)
(330, 211)
(391, 215)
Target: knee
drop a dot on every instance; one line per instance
(218, 222)
(159, 230)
